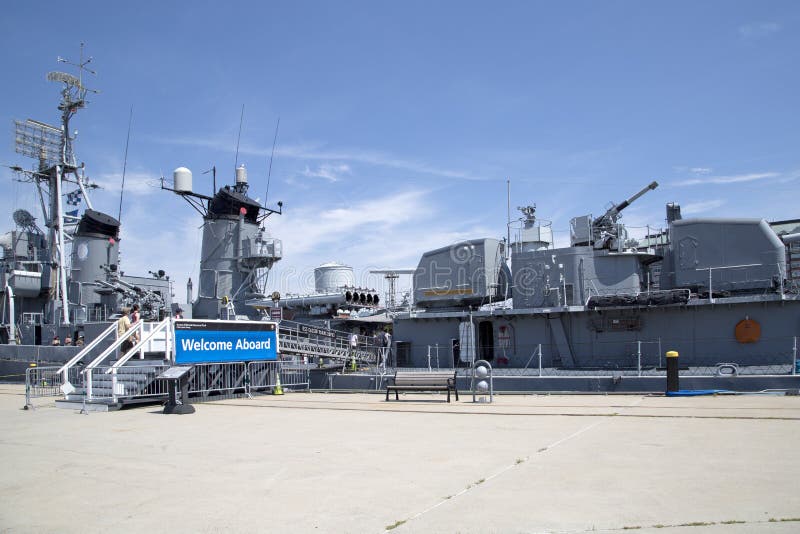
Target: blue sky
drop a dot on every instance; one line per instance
(401, 122)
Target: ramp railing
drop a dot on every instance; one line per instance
(303, 340)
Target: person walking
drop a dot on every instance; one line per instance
(123, 325)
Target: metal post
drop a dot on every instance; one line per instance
(114, 384)
(710, 293)
(639, 356)
(794, 357)
(673, 379)
(659, 352)
(12, 324)
(540, 359)
(88, 393)
(62, 266)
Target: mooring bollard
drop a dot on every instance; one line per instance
(672, 371)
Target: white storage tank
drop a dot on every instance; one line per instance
(182, 179)
(331, 276)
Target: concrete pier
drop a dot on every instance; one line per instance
(316, 462)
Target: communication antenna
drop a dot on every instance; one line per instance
(125, 164)
(269, 173)
(238, 138)
(81, 64)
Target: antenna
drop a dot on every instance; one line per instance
(238, 138)
(269, 174)
(81, 67)
(213, 171)
(125, 164)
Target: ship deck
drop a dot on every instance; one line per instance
(317, 462)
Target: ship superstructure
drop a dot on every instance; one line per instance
(716, 290)
(237, 251)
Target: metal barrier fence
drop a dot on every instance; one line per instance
(45, 382)
(263, 376)
(214, 379)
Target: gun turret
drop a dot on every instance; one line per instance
(603, 232)
(613, 212)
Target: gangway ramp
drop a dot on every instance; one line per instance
(298, 339)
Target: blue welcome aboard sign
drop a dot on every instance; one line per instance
(209, 341)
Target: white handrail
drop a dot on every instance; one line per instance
(145, 339)
(83, 352)
(111, 348)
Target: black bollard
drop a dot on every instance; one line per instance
(672, 371)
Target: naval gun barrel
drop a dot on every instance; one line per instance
(612, 212)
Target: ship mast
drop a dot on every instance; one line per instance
(52, 147)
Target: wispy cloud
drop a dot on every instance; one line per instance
(758, 29)
(136, 183)
(320, 152)
(701, 207)
(701, 170)
(737, 178)
(331, 173)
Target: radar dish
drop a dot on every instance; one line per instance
(65, 77)
(24, 219)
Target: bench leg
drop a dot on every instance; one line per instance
(448, 395)
(456, 390)
(387, 394)
(396, 395)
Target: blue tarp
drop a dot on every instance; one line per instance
(698, 392)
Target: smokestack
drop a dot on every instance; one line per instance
(189, 292)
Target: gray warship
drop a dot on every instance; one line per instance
(60, 273)
(721, 292)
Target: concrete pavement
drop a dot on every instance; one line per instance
(355, 463)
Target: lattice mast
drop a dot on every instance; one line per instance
(52, 147)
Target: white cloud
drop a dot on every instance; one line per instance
(701, 170)
(700, 207)
(758, 29)
(737, 178)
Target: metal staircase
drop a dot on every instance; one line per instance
(112, 378)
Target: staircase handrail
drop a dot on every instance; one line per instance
(111, 348)
(128, 355)
(85, 350)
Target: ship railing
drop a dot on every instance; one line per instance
(643, 357)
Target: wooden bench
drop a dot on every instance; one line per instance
(420, 381)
